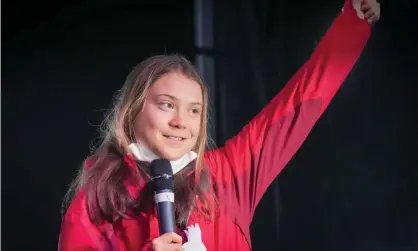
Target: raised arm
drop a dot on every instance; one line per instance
(248, 163)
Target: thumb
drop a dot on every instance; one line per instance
(357, 7)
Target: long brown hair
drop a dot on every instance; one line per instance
(107, 197)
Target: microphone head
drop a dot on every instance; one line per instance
(161, 175)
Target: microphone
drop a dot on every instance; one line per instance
(162, 184)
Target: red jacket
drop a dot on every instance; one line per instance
(247, 164)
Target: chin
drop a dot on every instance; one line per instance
(171, 156)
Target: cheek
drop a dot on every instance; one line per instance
(195, 128)
(139, 126)
(146, 121)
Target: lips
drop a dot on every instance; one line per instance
(175, 138)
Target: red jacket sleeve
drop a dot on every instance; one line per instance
(247, 164)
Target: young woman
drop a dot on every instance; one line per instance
(161, 112)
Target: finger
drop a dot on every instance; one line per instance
(170, 238)
(369, 14)
(374, 17)
(175, 247)
(372, 20)
(365, 7)
(360, 13)
(175, 238)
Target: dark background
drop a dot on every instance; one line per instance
(352, 186)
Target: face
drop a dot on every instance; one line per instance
(170, 121)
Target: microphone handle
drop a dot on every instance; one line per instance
(165, 209)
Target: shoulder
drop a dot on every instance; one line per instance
(77, 210)
(77, 215)
(77, 231)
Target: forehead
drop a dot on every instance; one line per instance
(179, 86)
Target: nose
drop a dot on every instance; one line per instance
(178, 121)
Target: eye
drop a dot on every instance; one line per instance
(195, 111)
(166, 105)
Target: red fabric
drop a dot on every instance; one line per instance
(246, 165)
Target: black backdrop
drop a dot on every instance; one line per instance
(352, 186)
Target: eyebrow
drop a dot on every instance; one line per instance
(174, 98)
